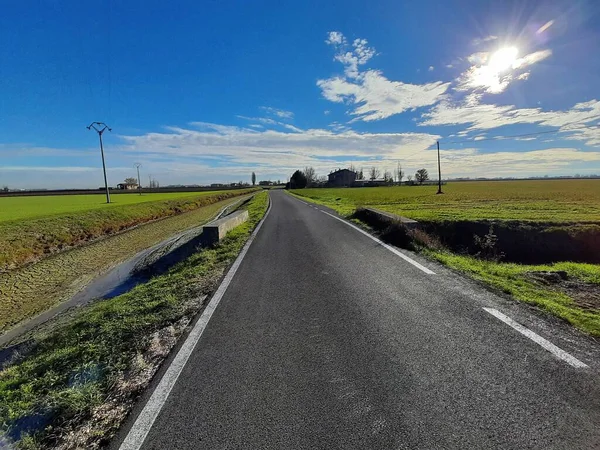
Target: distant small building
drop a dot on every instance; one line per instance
(128, 187)
(371, 183)
(341, 177)
(379, 182)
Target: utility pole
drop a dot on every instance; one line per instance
(137, 166)
(101, 127)
(439, 171)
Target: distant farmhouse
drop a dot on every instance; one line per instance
(127, 186)
(342, 177)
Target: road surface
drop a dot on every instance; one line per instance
(325, 339)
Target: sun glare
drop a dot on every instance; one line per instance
(503, 59)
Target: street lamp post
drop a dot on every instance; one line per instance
(100, 127)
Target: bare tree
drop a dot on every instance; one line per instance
(374, 173)
(388, 177)
(311, 175)
(131, 181)
(253, 178)
(399, 174)
(421, 176)
(5, 189)
(408, 179)
(360, 174)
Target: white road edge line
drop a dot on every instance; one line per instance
(556, 351)
(140, 429)
(383, 244)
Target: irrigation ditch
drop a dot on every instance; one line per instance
(120, 279)
(512, 241)
(534, 247)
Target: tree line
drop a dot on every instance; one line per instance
(301, 179)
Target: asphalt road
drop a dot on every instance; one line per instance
(326, 340)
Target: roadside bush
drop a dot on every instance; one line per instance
(488, 246)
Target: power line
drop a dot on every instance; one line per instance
(499, 138)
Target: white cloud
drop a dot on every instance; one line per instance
(217, 153)
(241, 144)
(287, 126)
(335, 38)
(338, 127)
(326, 112)
(431, 68)
(359, 53)
(553, 160)
(282, 114)
(47, 169)
(532, 58)
(265, 120)
(591, 136)
(479, 116)
(487, 75)
(24, 150)
(283, 152)
(479, 41)
(373, 96)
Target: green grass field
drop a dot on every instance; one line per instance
(32, 237)
(552, 201)
(29, 207)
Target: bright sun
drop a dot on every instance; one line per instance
(503, 59)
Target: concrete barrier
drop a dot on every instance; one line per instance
(383, 217)
(214, 231)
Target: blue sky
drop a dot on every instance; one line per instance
(202, 92)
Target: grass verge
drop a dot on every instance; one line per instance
(517, 280)
(78, 382)
(577, 301)
(24, 241)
